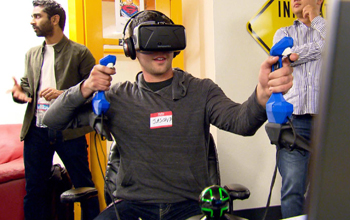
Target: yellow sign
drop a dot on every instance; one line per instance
(272, 16)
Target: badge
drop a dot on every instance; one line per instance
(161, 120)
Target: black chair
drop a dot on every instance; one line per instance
(58, 183)
(236, 191)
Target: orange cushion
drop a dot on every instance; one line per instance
(11, 147)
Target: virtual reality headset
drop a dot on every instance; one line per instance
(152, 36)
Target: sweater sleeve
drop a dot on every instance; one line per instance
(70, 110)
(243, 119)
(312, 49)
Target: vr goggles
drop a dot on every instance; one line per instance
(150, 36)
(154, 36)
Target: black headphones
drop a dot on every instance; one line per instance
(128, 43)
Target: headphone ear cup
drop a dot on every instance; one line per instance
(176, 53)
(129, 49)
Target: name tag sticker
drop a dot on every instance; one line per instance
(161, 120)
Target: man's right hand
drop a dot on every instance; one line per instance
(18, 94)
(99, 80)
(310, 12)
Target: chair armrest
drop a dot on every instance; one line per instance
(78, 195)
(237, 191)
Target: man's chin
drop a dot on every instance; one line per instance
(38, 34)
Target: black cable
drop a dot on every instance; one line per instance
(102, 173)
(294, 133)
(102, 139)
(293, 146)
(272, 184)
(98, 157)
(275, 170)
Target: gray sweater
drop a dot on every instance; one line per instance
(162, 136)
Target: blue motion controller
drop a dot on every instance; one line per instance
(277, 108)
(99, 103)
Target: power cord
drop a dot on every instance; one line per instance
(272, 184)
(100, 138)
(275, 169)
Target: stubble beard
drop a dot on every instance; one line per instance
(45, 30)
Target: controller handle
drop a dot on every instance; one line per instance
(277, 108)
(99, 102)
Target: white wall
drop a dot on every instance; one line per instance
(219, 47)
(238, 57)
(17, 37)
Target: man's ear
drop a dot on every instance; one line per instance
(55, 19)
(320, 2)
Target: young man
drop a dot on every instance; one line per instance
(50, 69)
(161, 126)
(308, 33)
